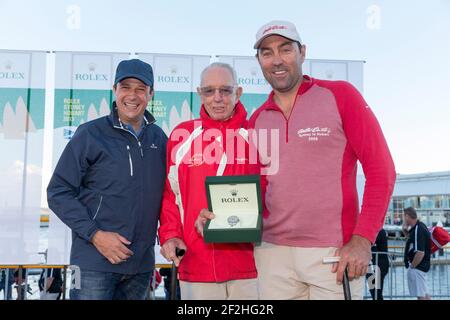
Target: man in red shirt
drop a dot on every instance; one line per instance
(214, 145)
(311, 203)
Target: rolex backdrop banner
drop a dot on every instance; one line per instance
(176, 80)
(83, 92)
(22, 106)
(256, 88)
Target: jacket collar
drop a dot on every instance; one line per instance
(114, 117)
(306, 84)
(237, 120)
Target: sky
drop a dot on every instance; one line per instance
(405, 45)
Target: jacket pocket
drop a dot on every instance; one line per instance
(130, 160)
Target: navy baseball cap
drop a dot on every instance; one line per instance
(134, 68)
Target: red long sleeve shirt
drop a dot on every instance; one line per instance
(311, 198)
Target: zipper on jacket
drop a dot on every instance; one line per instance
(140, 148)
(287, 131)
(288, 117)
(131, 162)
(98, 208)
(137, 139)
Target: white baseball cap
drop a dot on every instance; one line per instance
(283, 28)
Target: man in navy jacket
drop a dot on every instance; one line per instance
(107, 187)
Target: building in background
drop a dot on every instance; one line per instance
(429, 193)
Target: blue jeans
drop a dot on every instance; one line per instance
(111, 286)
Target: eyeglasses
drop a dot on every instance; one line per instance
(223, 91)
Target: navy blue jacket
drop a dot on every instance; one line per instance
(109, 179)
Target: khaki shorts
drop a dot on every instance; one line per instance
(417, 283)
(246, 289)
(293, 273)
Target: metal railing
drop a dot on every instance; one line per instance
(30, 274)
(25, 278)
(396, 283)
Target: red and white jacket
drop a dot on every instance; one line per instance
(197, 149)
(311, 198)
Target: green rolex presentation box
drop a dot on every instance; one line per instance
(237, 205)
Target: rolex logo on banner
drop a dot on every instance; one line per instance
(8, 72)
(174, 77)
(252, 77)
(92, 74)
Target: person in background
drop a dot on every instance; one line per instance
(166, 273)
(380, 263)
(417, 254)
(50, 284)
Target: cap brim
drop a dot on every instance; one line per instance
(135, 76)
(258, 43)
